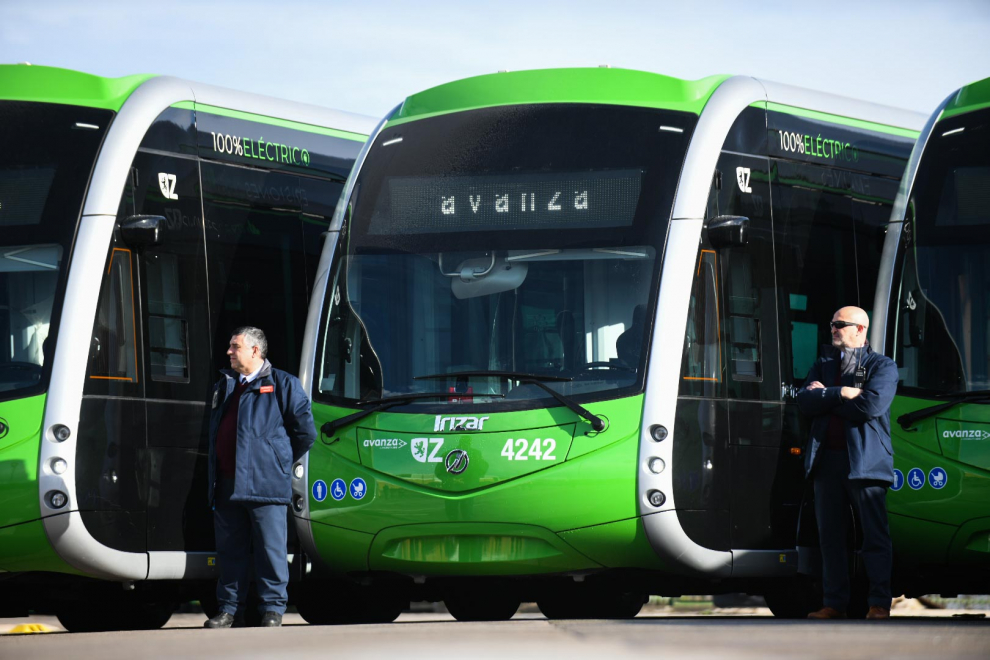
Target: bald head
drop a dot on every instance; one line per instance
(852, 324)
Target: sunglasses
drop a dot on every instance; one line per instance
(838, 325)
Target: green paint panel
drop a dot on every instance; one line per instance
(544, 498)
(43, 84)
(342, 549)
(418, 458)
(26, 548)
(620, 544)
(966, 494)
(971, 97)
(919, 542)
(971, 546)
(598, 85)
(966, 442)
(474, 549)
(19, 450)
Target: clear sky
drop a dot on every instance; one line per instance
(367, 56)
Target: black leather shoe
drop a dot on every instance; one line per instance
(271, 620)
(222, 620)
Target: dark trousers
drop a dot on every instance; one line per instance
(834, 493)
(242, 528)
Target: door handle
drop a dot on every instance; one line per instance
(787, 391)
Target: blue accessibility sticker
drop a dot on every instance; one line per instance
(898, 480)
(319, 490)
(338, 489)
(359, 489)
(916, 478)
(937, 478)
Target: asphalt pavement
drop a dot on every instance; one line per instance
(746, 634)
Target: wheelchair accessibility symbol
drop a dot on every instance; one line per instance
(916, 478)
(937, 478)
(338, 489)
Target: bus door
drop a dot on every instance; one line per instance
(829, 226)
(179, 369)
(752, 368)
(145, 415)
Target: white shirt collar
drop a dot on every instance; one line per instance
(251, 376)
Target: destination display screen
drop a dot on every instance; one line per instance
(440, 204)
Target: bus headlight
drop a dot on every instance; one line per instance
(298, 471)
(59, 466)
(56, 499)
(297, 503)
(656, 498)
(657, 465)
(658, 432)
(61, 432)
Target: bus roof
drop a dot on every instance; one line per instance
(635, 88)
(973, 96)
(25, 82)
(46, 84)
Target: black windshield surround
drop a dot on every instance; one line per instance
(49, 154)
(940, 337)
(571, 297)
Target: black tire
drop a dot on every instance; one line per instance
(485, 606)
(104, 617)
(589, 603)
(328, 603)
(794, 599)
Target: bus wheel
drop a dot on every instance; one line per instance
(329, 602)
(484, 606)
(794, 599)
(597, 604)
(103, 617)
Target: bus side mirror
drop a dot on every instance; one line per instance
(142, 230)
(729, 231)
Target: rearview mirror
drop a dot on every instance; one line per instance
(484, 277)
(142, 230)
(728, 231)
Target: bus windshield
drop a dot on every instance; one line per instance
(49, 152)
(942, 342)
(522, 239)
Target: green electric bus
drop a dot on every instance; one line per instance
(933, 318)
(557, 331)
(141, 220)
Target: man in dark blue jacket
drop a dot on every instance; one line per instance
(261, 424)
(848, 393)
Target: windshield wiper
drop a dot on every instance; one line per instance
(529, 379)
(378, 405)
(976, 396)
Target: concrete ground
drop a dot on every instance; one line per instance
(750, 633)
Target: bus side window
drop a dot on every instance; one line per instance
(257, 226)
(113, 354)
(743, 320)
(174, 307)
(701, 366)
(168, 329)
